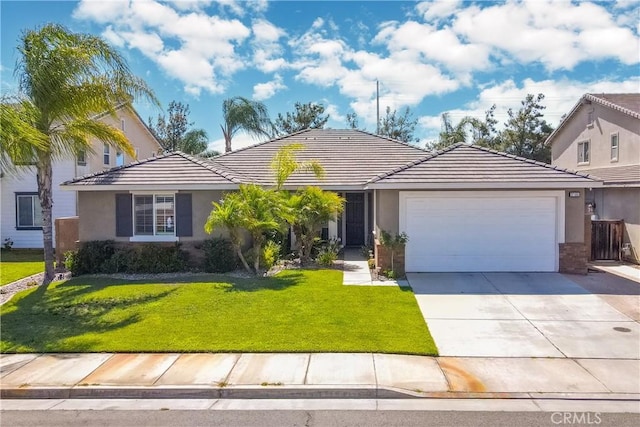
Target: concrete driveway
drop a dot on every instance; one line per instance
(523, 315)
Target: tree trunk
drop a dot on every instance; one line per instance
(227, 143)
(256, 263)
(44, 178)
(242, 259)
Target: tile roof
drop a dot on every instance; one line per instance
(176, 169)
(349, 157)
(469, 166)
(626, 103)
(617, 175)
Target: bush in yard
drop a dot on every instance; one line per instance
(219, 255)
(326, 257)
(92, 257)
(152, 258)
(271, 254)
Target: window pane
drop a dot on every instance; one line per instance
(165, 220)
(119, 159)
(25, 211)
(143, 206)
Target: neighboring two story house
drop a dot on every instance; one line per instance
(21, 215)
(601, 136)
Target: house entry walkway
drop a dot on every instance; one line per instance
(357, 273)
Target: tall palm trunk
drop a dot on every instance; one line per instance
(227, 143)
(45, 179)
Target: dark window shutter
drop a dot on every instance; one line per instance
(183, 215)
(124, 215)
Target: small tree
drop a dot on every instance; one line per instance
(173, 132)
(305, 116)
(393, 243)
(311, 207)
(284, 164)
(242, 114)
(399, 126)
(227, 214)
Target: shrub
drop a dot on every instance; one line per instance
(70, 261)
(327, 256)
(151, 258)
(92, 257)
(270, 254)
(103, 257)
(219, 255)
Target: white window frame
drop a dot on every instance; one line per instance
(106, 155)
(35, 204)
(615, 149)
(581, 152)
(122, 125)
(153, 237)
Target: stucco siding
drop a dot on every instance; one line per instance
(96, 211)
(574, 217)
(64, 202)
(387, 211)
(137, 134)
(564, 151)
(97, 215)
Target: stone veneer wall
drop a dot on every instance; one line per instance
(383, 259)
(573, 258)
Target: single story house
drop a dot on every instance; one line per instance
(465, 208)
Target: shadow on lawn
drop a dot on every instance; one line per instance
(42, 320)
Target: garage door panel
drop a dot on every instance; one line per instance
(481, 233)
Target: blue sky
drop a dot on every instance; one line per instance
(434, 57)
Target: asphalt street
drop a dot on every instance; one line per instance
(278, 418)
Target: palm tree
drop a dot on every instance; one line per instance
(228, 214)
(194, 141)
(284, 164)
(65, 80)
(244, 114)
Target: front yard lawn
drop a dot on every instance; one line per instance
(296, 311)
(17, 264)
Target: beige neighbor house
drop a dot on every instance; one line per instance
(465, 208)
(21, 214)
(600, 136)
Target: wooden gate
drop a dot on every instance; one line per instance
(606, 239)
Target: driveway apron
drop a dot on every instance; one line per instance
(521, 315)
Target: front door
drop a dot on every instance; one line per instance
(354, 219)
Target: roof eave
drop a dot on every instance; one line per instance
(147, 187)
(481, 185)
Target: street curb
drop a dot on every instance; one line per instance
(278, 392)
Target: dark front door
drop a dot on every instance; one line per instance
(354, 219)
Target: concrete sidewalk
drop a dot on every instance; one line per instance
(313, 376)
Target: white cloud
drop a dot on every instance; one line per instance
(434, 10)
(263, 91)
(334, 114)
(240, 140)
(267, 51)
(557, 34)
(188, 44)
(560, 97)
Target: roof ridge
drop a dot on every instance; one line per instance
(613, 105)
(227, 174)
(413, 163)
(116, 168)
(397, 141)
(477, 147)
(531, 161)
(261, 143)
(594, 98)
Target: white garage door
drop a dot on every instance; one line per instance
(473, 231)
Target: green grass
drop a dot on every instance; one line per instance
(17, 264)
(297, 311)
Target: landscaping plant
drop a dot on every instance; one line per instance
(393, 243)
